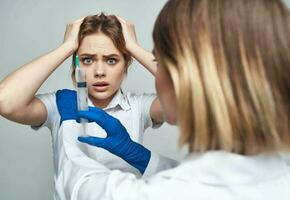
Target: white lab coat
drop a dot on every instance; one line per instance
(74, 164)
(211, 175)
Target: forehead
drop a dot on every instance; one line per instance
(99, 44)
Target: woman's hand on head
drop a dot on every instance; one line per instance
(129, 33)
(71, 33)
(146, 58)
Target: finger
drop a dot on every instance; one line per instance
(121, 19)
(98, 116)
(95, 109)
(100, 111)
(93, 116)
(80, 19)
(78, 119)
(125, 22)
(95, 141)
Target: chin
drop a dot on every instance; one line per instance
(101, 95)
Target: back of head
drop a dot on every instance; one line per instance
(230, 62)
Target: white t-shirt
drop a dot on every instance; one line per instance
(132, 110)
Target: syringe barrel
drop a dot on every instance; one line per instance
(80, 75)
(82, 94)
(82, 90)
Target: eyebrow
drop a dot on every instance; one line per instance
(92, 55)
(111, 55)
(87, 54)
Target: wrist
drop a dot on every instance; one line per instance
(68, 47)
(142, 157)
(139, 156)
(132, 48)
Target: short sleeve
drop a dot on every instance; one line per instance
(49, 101)
(145, 102)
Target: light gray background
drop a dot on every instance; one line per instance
(30, 28)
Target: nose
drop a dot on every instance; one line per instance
(100, 70)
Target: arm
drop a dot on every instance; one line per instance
(80, 182)
(82, 175)
(119, 143)
(147, 59)
(17, 90)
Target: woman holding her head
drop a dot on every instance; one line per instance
(223, 77)
(104, 45)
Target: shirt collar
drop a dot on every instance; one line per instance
(119, 99)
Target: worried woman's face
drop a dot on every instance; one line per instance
(105, 67)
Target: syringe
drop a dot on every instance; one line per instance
(82, 90)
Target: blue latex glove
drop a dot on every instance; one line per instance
(66, 101)
(118, 141)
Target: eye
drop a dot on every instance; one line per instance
(111, 61)
(87, 61)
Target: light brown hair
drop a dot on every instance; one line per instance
(108, 25)
(230, 65)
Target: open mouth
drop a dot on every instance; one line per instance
(100, 86)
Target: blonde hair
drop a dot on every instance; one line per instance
(229, 61)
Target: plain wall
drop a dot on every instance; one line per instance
(30, 28)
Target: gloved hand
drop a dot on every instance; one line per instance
(66, 101)
(118, 141)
